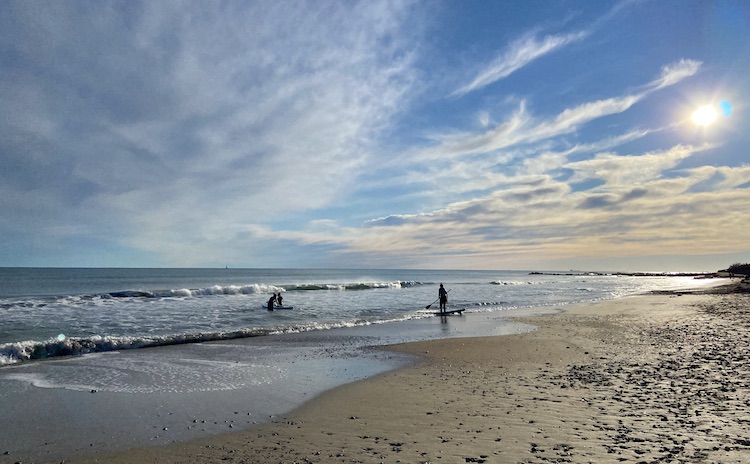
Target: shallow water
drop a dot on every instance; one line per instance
(48, 313)
(53, 410)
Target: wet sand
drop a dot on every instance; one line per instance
(655, 378)
(60, 409)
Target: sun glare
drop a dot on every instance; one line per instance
(705, 115)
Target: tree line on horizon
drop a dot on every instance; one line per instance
(738, 268)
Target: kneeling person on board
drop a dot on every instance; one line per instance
(278, 299)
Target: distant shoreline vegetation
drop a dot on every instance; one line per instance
(738, 268)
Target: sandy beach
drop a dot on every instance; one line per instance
(652, 378)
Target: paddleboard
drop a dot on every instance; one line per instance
(452, 311)
(275, 307)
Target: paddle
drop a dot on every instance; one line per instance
(428, 306)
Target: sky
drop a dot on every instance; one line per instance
(529, 135)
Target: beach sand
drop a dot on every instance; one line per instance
(653, 378)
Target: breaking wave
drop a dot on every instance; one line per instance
(11, 353)
(259, 288)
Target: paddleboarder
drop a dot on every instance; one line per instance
(443, 297)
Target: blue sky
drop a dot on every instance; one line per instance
(441, 134)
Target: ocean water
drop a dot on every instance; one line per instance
(46, 313)
(129, 358)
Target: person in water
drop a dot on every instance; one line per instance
(271, 301)
(443, 297)
(278, 299)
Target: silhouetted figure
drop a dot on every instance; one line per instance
(443, 297)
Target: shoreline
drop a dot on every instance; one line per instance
(111, 402)
(659, 377)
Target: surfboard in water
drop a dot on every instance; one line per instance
(448, 313)
(275, 307)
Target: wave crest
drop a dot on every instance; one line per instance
(11, 353)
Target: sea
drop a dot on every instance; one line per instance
(46, 313)
(99, 360)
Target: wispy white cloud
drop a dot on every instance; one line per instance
(519, 54)
(530, 48)
(462, 164)
(550, 160)
(204, 117)
(522, 128)
(618, 171)
(675, 72)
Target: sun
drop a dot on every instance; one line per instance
(705, 115)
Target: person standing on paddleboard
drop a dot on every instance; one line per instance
(443, 297)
